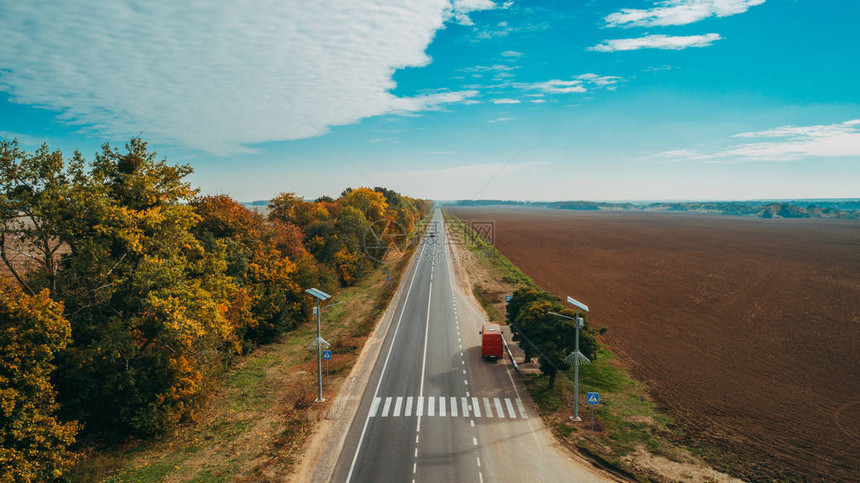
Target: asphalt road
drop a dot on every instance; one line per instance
(433, 410)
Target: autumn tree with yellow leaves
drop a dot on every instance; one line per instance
(33, 442)
(134, 291)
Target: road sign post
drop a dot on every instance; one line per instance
(326, 355)
(576, 357)
(593, 399)
(319, 341)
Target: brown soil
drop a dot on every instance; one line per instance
(746, 330)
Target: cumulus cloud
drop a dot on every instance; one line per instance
(512, 54)
(786, 143)
(222, 76)
(657, 42)
(575, 84)
(505, 101)
(678, 12)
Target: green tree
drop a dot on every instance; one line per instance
(36, 207)
(544, 335)
(149, 307)
(522, 321)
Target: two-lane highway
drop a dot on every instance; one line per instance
(433, 409)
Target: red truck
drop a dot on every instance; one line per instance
(491, 342)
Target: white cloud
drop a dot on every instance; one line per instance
(557, 86)
(678, 12)
(460, 9)
(512, 54)
(797, 142)
(23, 139)
(576, 84)
(538, 101)
(487, 68)
(500, 119)
(787, 143)
(505, 101)
(501, 29)
(656, 42)
(223, 76)
(660, 68)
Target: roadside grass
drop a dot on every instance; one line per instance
(625, 421)
(256, 422)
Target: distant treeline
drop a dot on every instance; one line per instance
(841, 209)
(139, 292)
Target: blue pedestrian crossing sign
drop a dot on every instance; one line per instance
(593, 398)
(507, 299)
(326, 355)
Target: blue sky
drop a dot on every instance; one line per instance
(601, 99)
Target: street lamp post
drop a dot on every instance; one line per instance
(575, 357)
(319, 341)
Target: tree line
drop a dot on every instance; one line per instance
(833, 209)
(136, 291)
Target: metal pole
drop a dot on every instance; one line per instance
(576, 373)
(319, 354)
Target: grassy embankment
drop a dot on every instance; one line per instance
(257, 422)
(626, 420)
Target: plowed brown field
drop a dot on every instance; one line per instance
(746, 330)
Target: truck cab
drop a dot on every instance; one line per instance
(491, 342)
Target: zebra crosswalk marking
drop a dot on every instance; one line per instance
(386, 407)
(451, 406)
(499, 409)
(510, 407)
(521, 408)
(488, 408)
